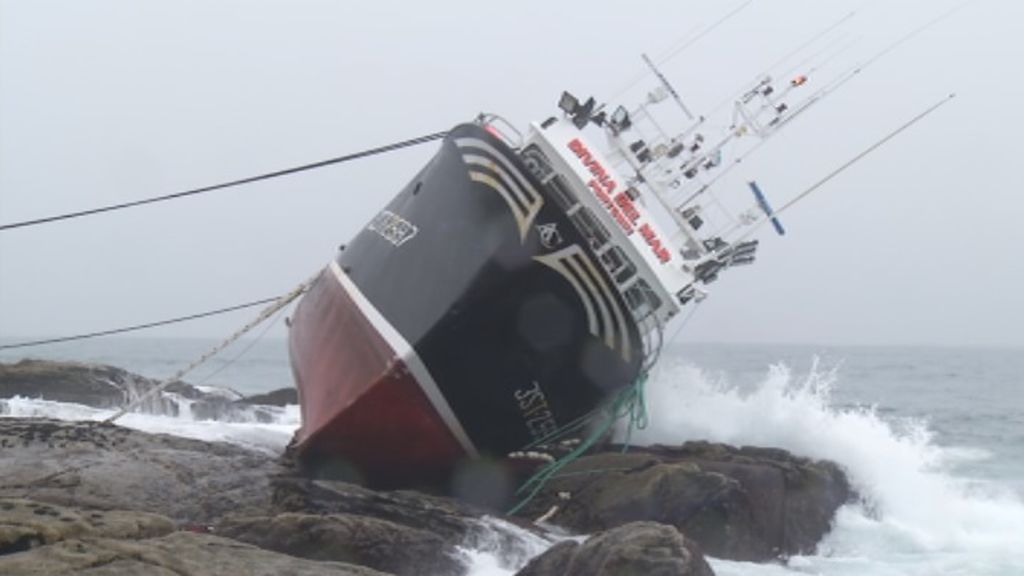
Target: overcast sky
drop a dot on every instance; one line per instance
(110, 101)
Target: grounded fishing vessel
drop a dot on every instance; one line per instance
(513, 285)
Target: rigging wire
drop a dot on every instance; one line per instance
(706, 31)
(810, 41)
(673, 52)
(694, 30)
(682, 323)
(846, 165)
(139, 326)
(830, 52)
(733, 97)
(252, 343)
(867, 151)
(917, 31)
(278, 304)
(830, 87)
(251, 179)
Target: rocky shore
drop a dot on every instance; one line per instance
(100, 499)
(101, 386)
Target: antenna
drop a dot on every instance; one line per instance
(792, 113)
(767, 71)
(668, 86)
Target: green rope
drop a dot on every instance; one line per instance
(629, 402)
(636, 409)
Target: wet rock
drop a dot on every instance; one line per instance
(740, 503)
(449, 519)
(362, 540)
(176, 554)
(25, 524)
(97, 465)
(107, 387)
(639, 548)
(280, 397)
(93, 385)
(233, 491)
(555, 561)
(454, 523)
(749, 504)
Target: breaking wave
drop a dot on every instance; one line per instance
(915, 517)
(264, 428)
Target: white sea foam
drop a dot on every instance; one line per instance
(500, 548)
(917, 518)
(269, 437)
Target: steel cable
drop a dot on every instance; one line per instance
(249, 180)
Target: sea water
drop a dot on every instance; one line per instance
(932, 439)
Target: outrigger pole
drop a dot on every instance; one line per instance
(773, 215)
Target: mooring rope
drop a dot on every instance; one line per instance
(144, 326)
(266, 313)
(204, 189)
(241, 354)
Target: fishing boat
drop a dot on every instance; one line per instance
(516, 283)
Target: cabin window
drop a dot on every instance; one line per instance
(561, 193)
(641, 298)
(536, 162)
(618, 265)
(595, 232)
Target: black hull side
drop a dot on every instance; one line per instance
(521, 335)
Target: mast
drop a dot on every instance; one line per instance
(668, 86)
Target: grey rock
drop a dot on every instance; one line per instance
(280, 397)
(235, 492)
(102, 386)
(96, 465)
(453, 522)
(26, 524)
(449, 519)
(749, 504)
(362, 540)
(93, 385)
(635, 549)
(555, 561)
(176, 554)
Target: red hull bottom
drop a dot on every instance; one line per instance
(364, 413)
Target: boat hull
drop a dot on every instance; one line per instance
(469, 317)
(365, 415)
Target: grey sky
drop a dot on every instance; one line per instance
(108, 101)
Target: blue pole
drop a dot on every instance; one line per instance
(763, 203)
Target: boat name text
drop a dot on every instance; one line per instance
(533, 405)
(393, 227)
(619, 204)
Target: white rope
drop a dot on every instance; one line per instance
(239, 356)
(266, 313)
